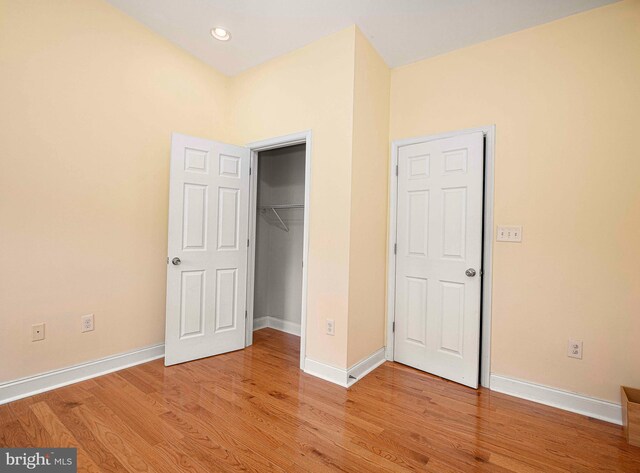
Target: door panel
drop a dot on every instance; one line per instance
(439, 235)
(226, 298)
(228, 216)
(193, 300)
(195, 217)
(416, 308)
(208, 226)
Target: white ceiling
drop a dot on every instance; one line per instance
(402, 31)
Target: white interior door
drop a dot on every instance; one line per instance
(207, 263)
(439, 256)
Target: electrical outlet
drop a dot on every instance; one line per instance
(574, 349)
(511, 233)
(87, 323)
(37, 332)
(331, 327)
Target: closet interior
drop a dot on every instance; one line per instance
(279, 239)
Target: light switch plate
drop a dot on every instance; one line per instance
(510, 233)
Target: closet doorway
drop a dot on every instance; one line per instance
(214, 244)
(278, 229)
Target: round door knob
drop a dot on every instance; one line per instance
(470, 272)
(176, 261)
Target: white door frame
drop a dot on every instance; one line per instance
(487, 239)
(255, 148)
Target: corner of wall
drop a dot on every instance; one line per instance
(312, 89)
(368, 222)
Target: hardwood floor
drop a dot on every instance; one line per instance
(254, 410)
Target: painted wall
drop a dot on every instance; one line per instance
(89, 100)
(369, 182)
(90, 97)
(278, 281)
(337, 87)
(565, 98)
(312, 89)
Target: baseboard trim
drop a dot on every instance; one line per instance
(554, 397)
(25, 387)
(345, 377)
(276, 324)
(327, 372)
(260, 323)
(366, 366)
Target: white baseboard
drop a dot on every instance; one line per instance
(366, 366)
(327, 372)
(573, 402)
(260, 323)
(345, 377)
(276, 324)
(20, 388)
(284, 326)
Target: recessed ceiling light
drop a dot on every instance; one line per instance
(220, 33)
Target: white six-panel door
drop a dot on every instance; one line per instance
(439, 256)
(207, 249)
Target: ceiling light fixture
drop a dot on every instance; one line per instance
(220, 34)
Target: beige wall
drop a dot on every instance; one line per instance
(337, 87)
(565, 98)
(89, 104)
(89, 100)
(90, 97)
(369, 181)
(312, 89)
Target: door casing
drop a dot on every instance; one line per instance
(487, 249)
(255, 148)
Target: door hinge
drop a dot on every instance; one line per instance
(249, 171)
(247, 243)
(396, 169)
(393, 327)
(395, 248)
(245, 315)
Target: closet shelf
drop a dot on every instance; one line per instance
(275, 208)
(281, 206)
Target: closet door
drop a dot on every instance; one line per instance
(207, 249)
(439, 256)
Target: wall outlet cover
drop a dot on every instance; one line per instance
(331, 327)
(87, 323)
(37, 332)
(574, 349)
